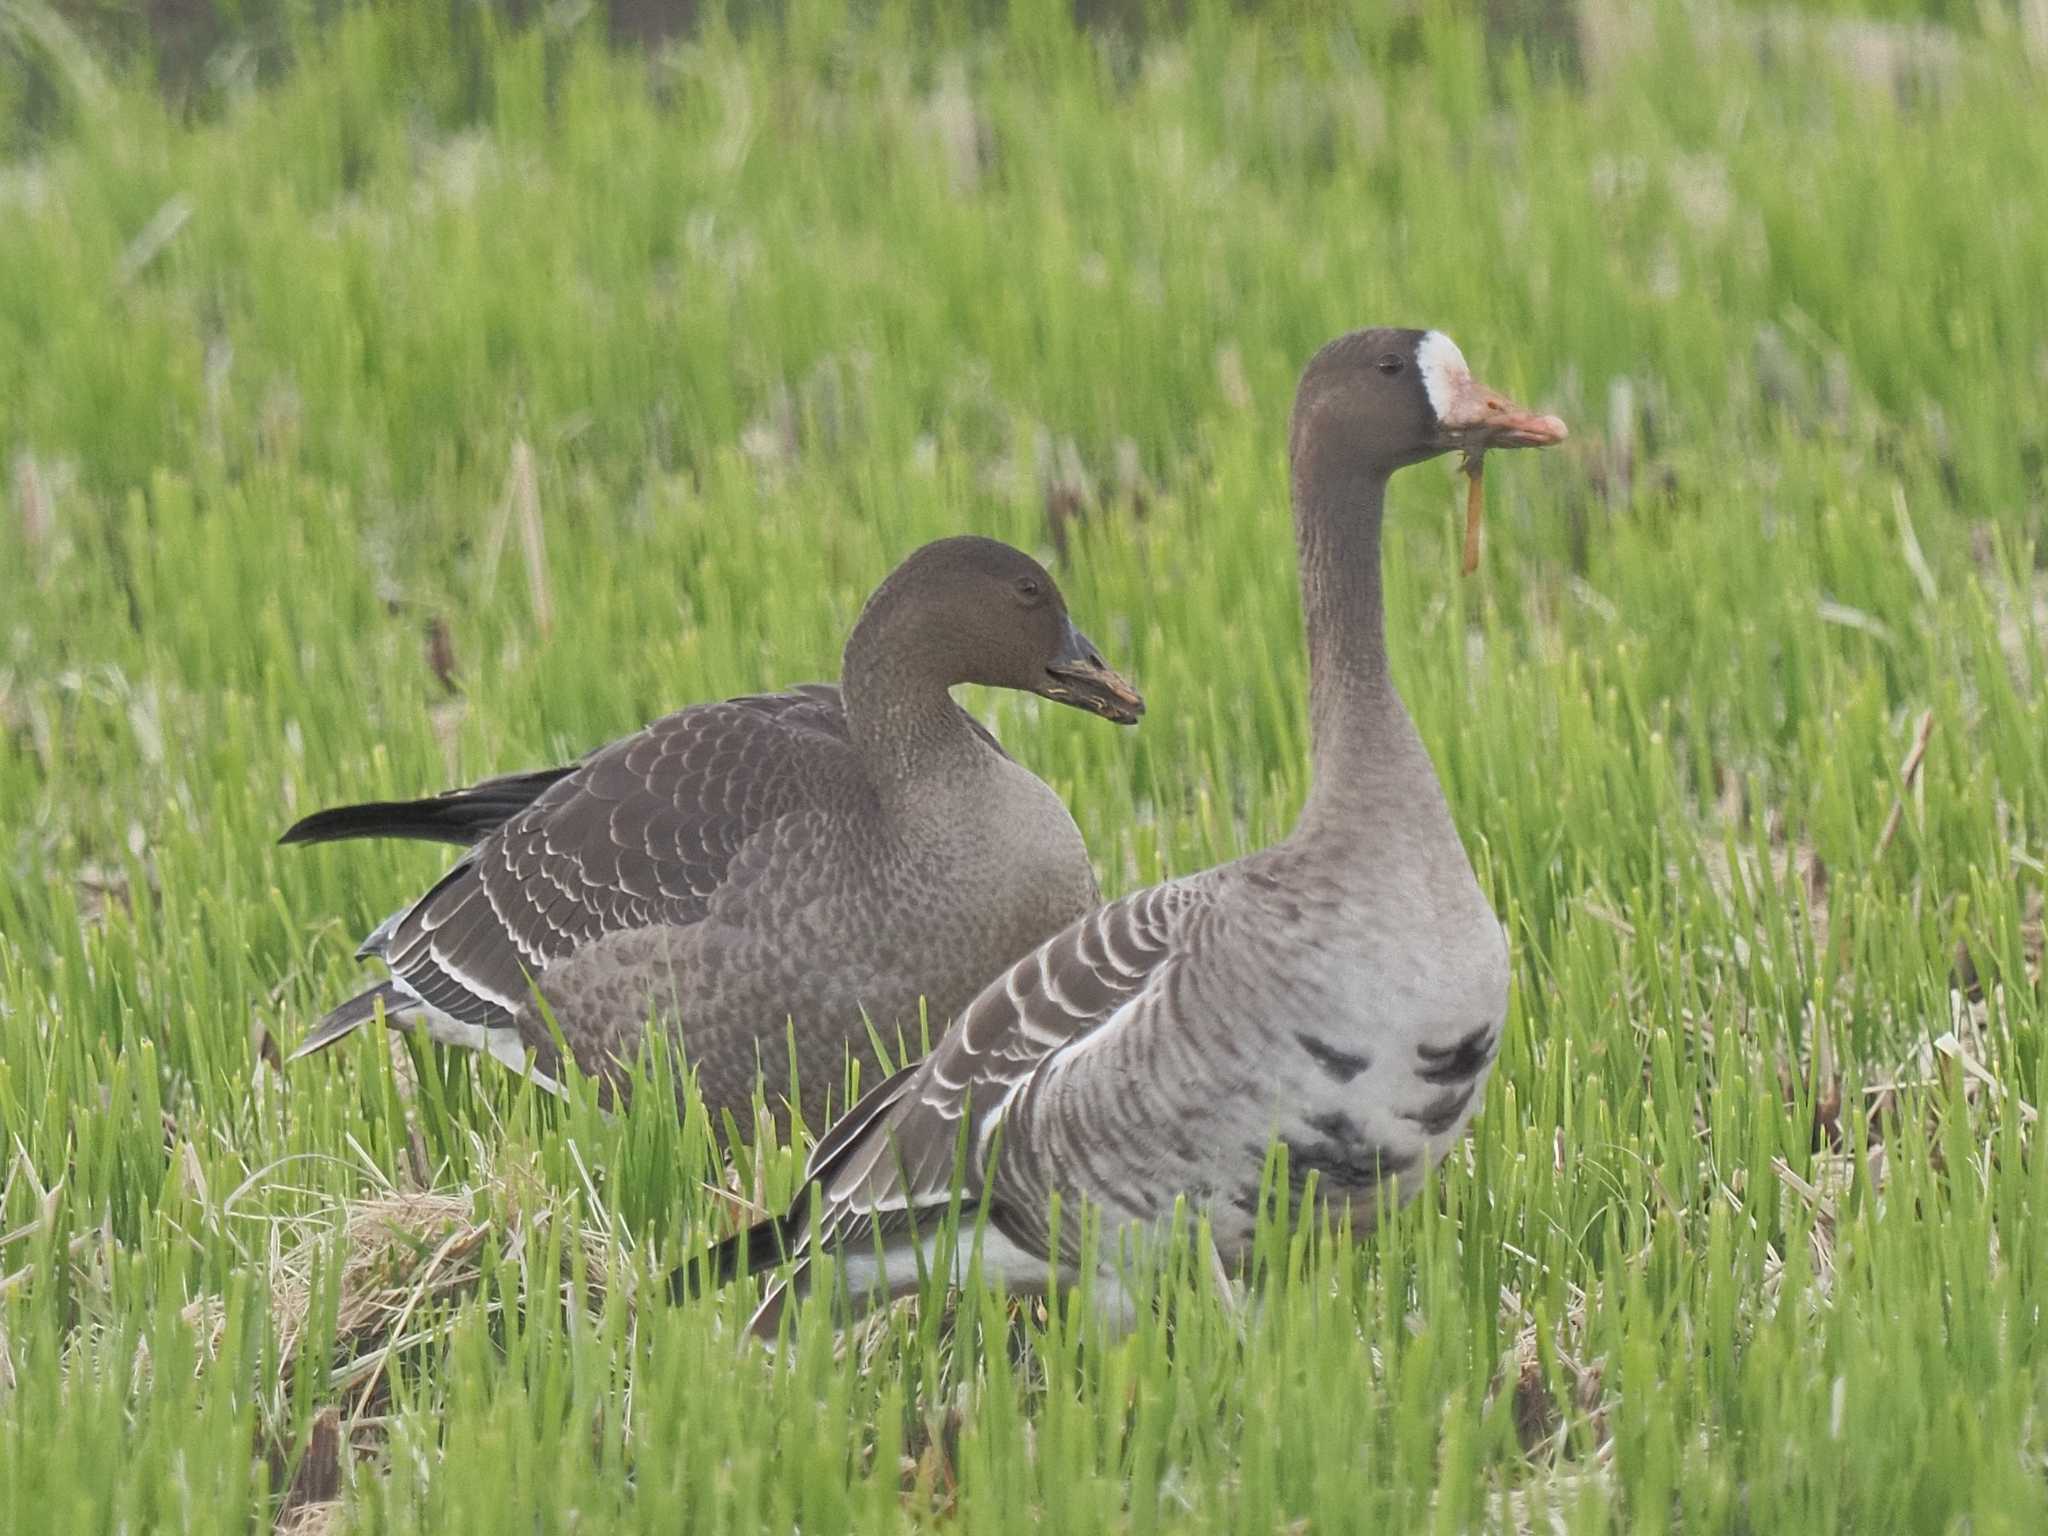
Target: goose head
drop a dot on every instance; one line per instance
(982, 612)
(1389, 398)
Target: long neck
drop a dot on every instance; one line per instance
(1360, 738)
(919, 747)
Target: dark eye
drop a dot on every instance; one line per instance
(1029, 589)
(1390, 365)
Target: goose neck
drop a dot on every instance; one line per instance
(918, 745)
(1358, 728)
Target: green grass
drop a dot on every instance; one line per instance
(1752, 1232)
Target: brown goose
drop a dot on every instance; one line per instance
(799, 863)
(1342, 991)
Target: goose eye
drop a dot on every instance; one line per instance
(1028, 588)
(1389, 365)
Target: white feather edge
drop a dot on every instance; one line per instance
(502, 1045)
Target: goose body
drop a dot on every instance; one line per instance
(778, 868)
(1342, 992)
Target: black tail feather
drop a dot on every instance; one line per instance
(769, 1242)
(461, 816)
(765, 1245)
(354, 1014)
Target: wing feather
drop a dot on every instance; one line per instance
(454, 816)
(895, 1153)
(644, 831)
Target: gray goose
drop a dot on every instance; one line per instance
(799, 864)
(1342, 992)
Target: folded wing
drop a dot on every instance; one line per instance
(641, 832)
(895, 1153)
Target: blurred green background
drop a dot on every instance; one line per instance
(393, 396)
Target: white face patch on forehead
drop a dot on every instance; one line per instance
(1443, 370)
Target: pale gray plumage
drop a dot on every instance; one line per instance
(827, 856)
(1342, 992)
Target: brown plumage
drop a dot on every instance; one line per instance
(806, 863)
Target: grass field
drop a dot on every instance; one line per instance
(462, 397)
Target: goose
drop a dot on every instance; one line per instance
(794, 866)
(1341, 992)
